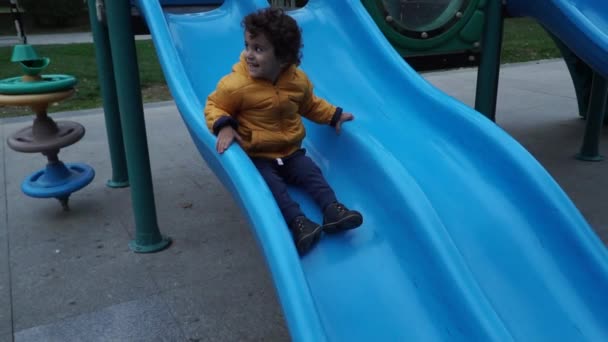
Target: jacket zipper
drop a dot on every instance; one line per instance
(281, 123)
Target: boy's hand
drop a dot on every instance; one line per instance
(225, 138)
(343, 118)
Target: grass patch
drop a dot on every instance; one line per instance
(524, 40)
(79, 60)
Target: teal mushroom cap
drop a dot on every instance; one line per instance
(31, 63)
(24, 52)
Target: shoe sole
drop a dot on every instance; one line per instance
(347, 223)
(306, 243)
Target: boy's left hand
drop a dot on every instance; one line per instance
(343, 118)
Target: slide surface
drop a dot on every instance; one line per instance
(581, 24)
(466, 237)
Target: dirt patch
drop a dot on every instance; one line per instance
(12, 111)
(156, 93)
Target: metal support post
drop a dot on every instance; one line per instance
(580, 72)
(595, 117)
(126, 73)
(16, 11)
(105, 72)
(489, 67)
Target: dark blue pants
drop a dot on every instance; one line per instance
(296, 169)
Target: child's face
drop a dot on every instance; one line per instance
(260, 58)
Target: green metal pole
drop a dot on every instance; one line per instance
(580, 72)
(489, 67)
(126, 71)
(595, 117)
(105, 72)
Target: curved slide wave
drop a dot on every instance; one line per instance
(466, 236)
(581, 24)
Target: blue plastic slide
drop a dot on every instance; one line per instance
(581, 24)
(466, 237)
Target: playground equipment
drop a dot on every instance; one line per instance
(580, 29)
(20, 37)
(475, 240)
(447, 33)
(45, 136)
(16, 11)
(432, 34)
(126, 133)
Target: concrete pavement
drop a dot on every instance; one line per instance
(56, 38)
(70, 276)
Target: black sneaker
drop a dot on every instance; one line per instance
(305, 233)
(338, 218)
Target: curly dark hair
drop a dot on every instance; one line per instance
(280, 29)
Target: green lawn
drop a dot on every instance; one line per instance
(79, 60)
(524, 40)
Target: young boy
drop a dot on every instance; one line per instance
(260, 105)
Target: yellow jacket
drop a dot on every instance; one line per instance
(267, 116)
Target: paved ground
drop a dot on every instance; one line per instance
(63, 38)
(69, 276)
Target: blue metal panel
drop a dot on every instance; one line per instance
(466, 237)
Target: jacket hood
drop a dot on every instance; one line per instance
(241, 66)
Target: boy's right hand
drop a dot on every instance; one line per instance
(225, 138)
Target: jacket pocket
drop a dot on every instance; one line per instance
(267, 141)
